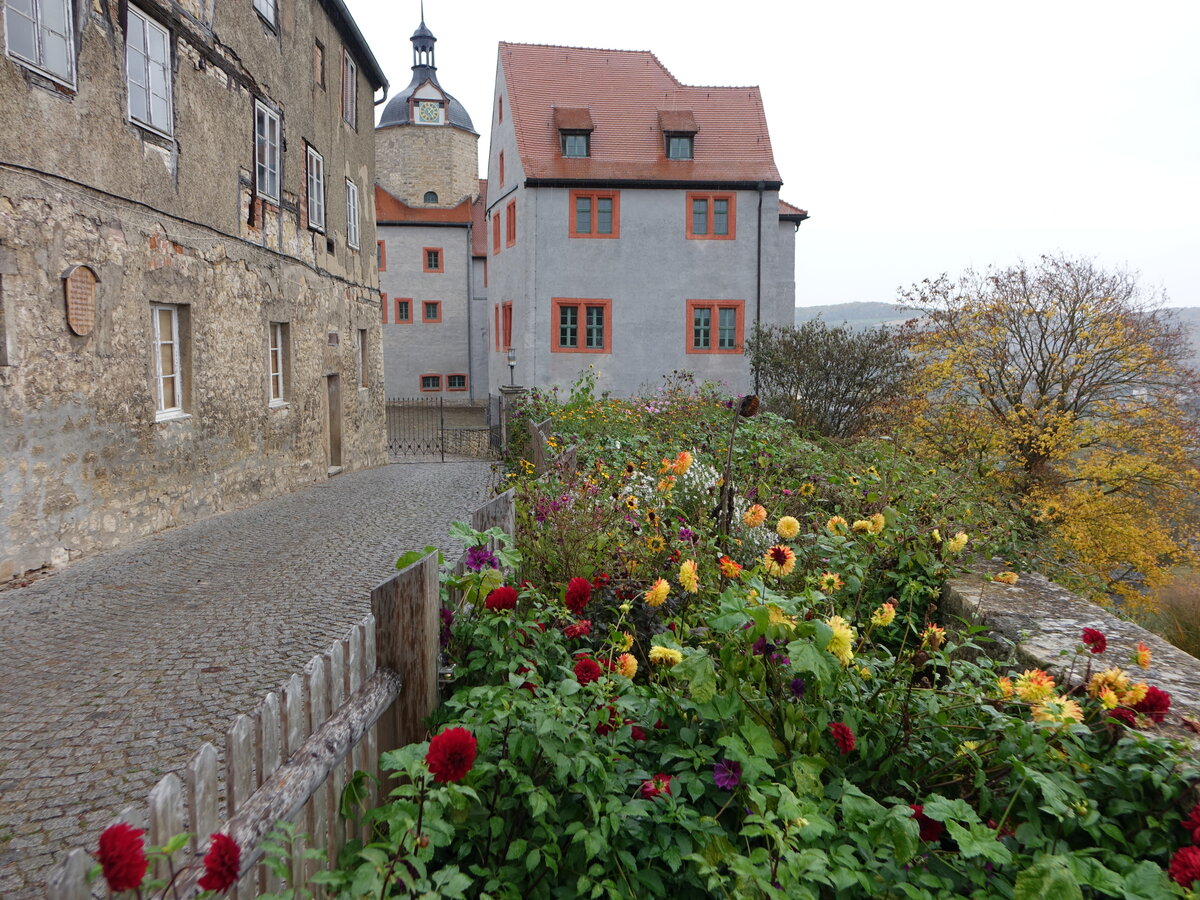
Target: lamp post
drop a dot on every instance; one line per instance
(512, 365)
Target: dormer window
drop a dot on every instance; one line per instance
(575, 128)
(679, 132)
(576, 144)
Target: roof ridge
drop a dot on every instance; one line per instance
(649, 53)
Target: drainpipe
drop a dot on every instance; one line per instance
(758, 273)
(470, 302)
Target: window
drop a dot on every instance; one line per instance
(496, 329)
(431, 259)
(715, 326)
(266, 9)
(506, 324)
(581, 326)
(319, 64)
(383, 305)
(431, 311)
(500, 106)
(148, 72)
(510, 224)
(403, 311)
(679, 146)
(316, 190)
(501, 168)
(362, 358)
(168, 363)
(349, 90)
(595, 214)
(431, 382)
(266, 151)
(431, 197)
(711, 216)
(495, 233)
(351, 214)
(456, 382)
(381, 256)
(576, 143)
(277, 363)
(39, 33)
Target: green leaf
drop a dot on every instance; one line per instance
(759, 738)
(698, 668)
(1049, 878)
(941, 809)
(978, 840)
(176, 843)
(413, 556)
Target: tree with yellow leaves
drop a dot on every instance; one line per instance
(1069, 384)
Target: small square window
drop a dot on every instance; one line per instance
(431, 259)
(431, 382)
(581, 326)
(715, 326)
(595, 214)
(711, 216)
(679, 146)
(39, 33)
(403, 311)
(456, 382)
(431, 311)
(576, 144)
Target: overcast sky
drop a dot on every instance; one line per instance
(921, 137)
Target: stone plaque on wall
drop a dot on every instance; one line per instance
(79, 285)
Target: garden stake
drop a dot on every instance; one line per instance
(745, 409)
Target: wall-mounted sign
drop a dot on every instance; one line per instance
(79, 287)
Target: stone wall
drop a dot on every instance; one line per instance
(413, 159)
(1037, 624)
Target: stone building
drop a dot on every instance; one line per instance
(634, 223)
(189, 307)
(431, 262)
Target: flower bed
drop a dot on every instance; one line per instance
(648, 704)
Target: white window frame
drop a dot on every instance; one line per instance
(351, 214)
(277, 362)
(35, 20)
(162, 411)
(266, 121)
(316, 190)
(148, 72)
(349, 89)
(266, 9)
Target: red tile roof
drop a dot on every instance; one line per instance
(479, 243)
(390, 210)
(625, 91)
(791, 213)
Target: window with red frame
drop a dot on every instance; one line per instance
(384, 305)
(431, 311)
(381, 256)
(431, 382)
(595, 214)
(495, 232)
(403, 310)
(711, 216)
(500, 106)
(502, 168)
(715, 326)
(506, 324)
(432, 259)
(510, 224)
(581, 326)
(456, 382)
(496, 329)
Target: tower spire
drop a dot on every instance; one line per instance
(423, 41)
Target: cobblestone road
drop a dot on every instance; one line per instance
(115, 670)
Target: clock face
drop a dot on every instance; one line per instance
(428, 111)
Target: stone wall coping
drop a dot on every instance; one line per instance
(1037, 624)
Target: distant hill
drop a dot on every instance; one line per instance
(857, 315)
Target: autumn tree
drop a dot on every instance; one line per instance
(833, 381)
(1069, 384)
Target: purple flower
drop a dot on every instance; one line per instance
(780, 660)
(762, 646)
(727, 774)
(447, 621)
(798, 686)
(687, 535)
(479, 558)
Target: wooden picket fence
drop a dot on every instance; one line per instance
(290, 760)
(544, 457)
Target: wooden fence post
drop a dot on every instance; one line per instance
(407, 619)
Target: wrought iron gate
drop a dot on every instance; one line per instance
(423, 427)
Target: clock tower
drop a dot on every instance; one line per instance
(426, 149)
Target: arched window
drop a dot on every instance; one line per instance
(431, 197)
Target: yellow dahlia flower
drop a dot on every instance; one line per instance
(682, 463)
(729, 568)
(1142, 657)
(807, 489)
(657, 595)
(957, 542)
(779, 560)
(1005, 686)
(755, 516)
(1006, 578)
(1034, 686)
(626, 641)
(787, 527)
(1109, 698)
(884, 615)
(830, 582)
(1056, 709)
(1135, 694)
(841, 644)
(665, 656)
(836, 525)
(776, 616)
(877, 523)
(934, 637)
(861, 526)
(1110, 679)
(627, 665)
(688, 576)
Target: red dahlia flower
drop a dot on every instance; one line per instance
(842, 736)
(931, 829)
(1185, 866)
(582, 628)
(501, 598)
(655, 787)
(601, 580)
(122, 857)
(1095, 640)
(1124, 715)
(587, 671)
(637, 732)
(1192, 824)
(609, 725)
(451, 755)
(579, 592)
(1155, 704)
(221, 864)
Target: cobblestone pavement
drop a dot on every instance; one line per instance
(115, 670)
